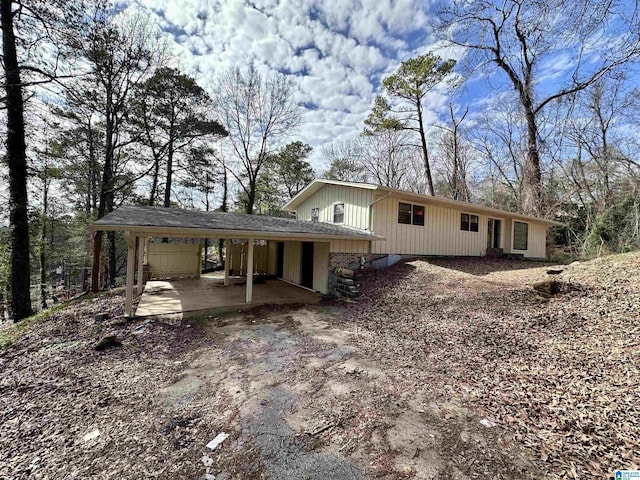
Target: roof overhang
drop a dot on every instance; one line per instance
(178, 232)
(318, 183)
(176, 223)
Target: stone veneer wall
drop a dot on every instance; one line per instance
(347, 260)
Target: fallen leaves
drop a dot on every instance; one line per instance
(561, 373)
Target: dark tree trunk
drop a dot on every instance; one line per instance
(425, 151)
(106, 197)
(531, 192)
(17, 161)
(223, 208)
(154, 182)
(167, 190)
(43, 240)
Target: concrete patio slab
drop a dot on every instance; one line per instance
(198, 295)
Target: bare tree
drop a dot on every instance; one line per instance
(344, 162)
(387, 156)
(456, 155)
(259, 114)
(518, 36)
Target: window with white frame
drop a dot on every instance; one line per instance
(338, 213)
(315, 214)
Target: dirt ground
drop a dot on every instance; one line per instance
(394, 385)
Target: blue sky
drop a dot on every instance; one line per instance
(336, 52)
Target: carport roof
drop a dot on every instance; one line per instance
(177, 222)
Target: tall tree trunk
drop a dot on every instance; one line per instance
(531, 191)
(154, 182)
(223, 208)
(17, 160)
(43, 240)
(167, 190)
(425, 151)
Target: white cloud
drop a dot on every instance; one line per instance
(336, 51)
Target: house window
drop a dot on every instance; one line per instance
(404, 213)
(468, 222)
(410, 214)
(315, 214)
(520, 235)
(338, 213)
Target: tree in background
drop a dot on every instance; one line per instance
(259, 114)
(28, 30)
(414, 80)
(518, 37)
(455, 154)
(344, 162)
(285, 174)
(121, 53)
(174, 112)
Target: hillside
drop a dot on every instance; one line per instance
(561, 372)
(391, 386)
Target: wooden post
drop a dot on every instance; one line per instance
(131, 265)
(142, 242)
(249, 298)
(227, 261)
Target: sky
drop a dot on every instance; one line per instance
(336, 52)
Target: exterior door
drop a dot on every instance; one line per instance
(280, 260)
(306, 275)
(493, 233)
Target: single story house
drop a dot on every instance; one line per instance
(415, 224)
(337, 224)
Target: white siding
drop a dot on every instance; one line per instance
(536, 241)
(292, 262)
(320, 266)
(237, 253)
(350, 246)
(174, 259)
(272, 257)
(356, 205)
(440, 235)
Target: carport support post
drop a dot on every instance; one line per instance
(131, 265)
(142, 242)
(227, 260)
(249, 298)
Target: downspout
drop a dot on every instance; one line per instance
(371, 209)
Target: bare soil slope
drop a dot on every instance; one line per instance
(391, 386)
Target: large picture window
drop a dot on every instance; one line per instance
(411, 214)
(520, 235)
(468, 222)
(338, 213)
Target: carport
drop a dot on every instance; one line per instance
(295, 251)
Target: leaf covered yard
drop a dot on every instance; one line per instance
(561, 372)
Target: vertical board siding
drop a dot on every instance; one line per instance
(350, 246)
(174, 259)
(237, 253)
(292, 262)
(536, 241)
(356, 205)
(321, 266)
(441, 234)
(272, 257)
